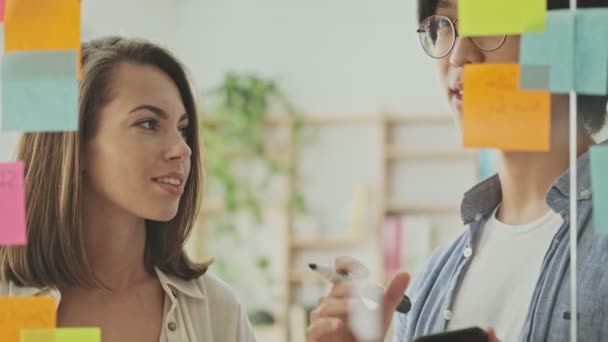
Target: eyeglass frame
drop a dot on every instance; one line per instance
(454, 36)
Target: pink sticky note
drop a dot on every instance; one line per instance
(2, 5)
(12, 204)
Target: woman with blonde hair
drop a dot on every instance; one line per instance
(110, 206)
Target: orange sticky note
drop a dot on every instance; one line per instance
(31, 25)
(17, 313)
(497, 114)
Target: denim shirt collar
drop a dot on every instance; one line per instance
(484, 197)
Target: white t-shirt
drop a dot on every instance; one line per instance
(497, 288)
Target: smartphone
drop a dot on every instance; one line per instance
(464, 335)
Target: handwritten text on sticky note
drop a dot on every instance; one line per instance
(17, 313)
(497, 114)
(497, 17)
(12, 204)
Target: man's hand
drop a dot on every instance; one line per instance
(329, 321)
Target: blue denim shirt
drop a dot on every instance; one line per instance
(434, 289)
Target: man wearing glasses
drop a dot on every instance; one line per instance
(509, 270)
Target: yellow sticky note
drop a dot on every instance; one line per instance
(497, 17)
(497, 114)
(17, 313)
(32, 25)
(61, 335)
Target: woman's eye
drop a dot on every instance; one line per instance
(148, 124)
(183, 131)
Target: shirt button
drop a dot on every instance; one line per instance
(447, 314)
(468, 252)
(478, 217)
(172, 326)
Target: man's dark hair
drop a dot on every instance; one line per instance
(592, 108)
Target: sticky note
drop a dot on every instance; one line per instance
(2, 8)
(12, 204)
(534, 77)
(42, 25)
(497, 114)
(18, 313)
(40, 91)
(599, 186)
(553, 51)
(591, 51)
(61, 335)
(498, 17)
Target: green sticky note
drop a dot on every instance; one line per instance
(61, 335)
(553, 48)
(497, 17)
(591, 51)
(599, 186)
(40, 91)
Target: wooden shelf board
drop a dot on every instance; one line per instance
(321, 243)
(419, 118)
(216, 207)
(298, 277)
(396, 153)
(395, 207)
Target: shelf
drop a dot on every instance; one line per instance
(304, 276)
(345, 119)
(396, 207)
(216, 207)
(397, 153)
(321, 243)
(420, 118)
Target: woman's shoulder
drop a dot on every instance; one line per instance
(215, 289)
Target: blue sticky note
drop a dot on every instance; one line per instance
(553, 48)
(591, 51)
(534, 77)
(40, 91)
(487, 163)
(599, 186)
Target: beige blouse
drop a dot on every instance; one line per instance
(199, 310)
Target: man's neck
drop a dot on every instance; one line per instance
(115, 243)
(526, 177)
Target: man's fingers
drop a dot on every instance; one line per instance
(341, 290)
(322, 328)
(393, 295)
(352, 266)
(332, 307)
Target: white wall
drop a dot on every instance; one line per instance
(338, 57)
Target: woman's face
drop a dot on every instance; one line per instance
(466, 52)
(138, 160)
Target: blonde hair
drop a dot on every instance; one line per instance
(55, 254)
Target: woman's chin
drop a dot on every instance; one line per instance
(162, 215)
